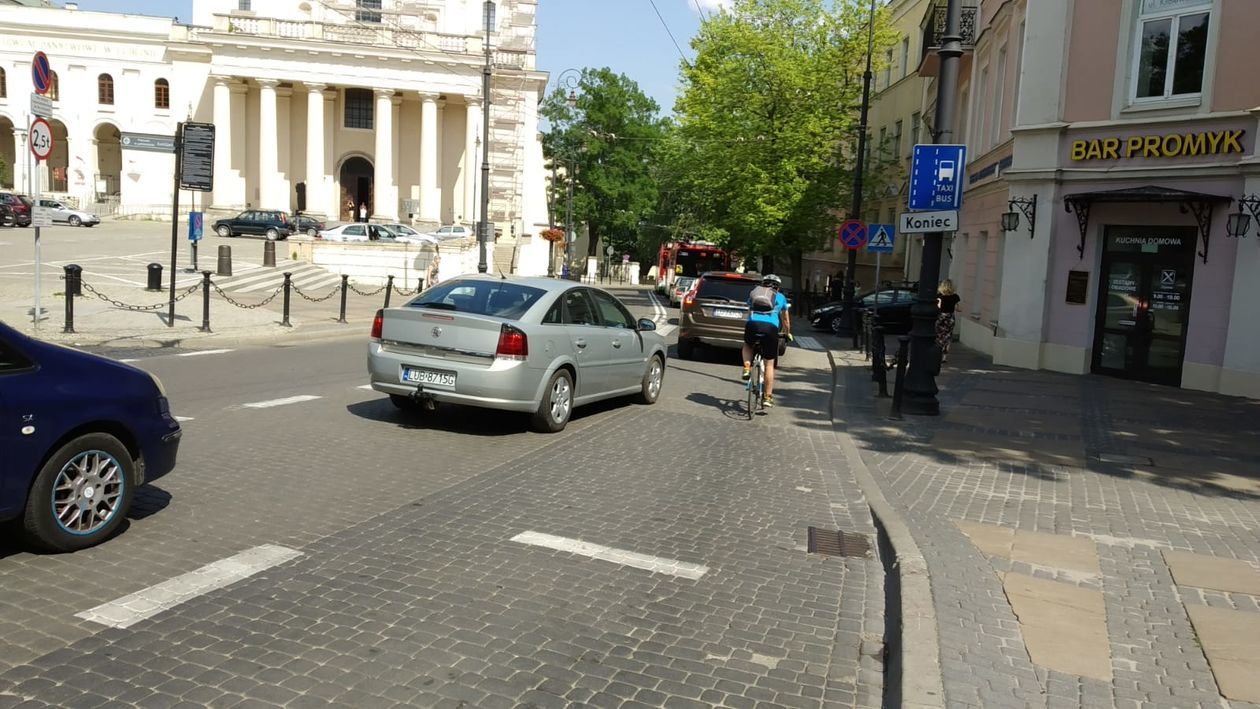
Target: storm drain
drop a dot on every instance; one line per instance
(833, 542)
(1121, 459)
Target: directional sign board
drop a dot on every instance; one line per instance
(41, 73)
(196, 157)
(150, 142)
(852, 234)
(41, 217)
(936, 176)
(41, 106)
(882, 239)
(41, 139)
(922, 222)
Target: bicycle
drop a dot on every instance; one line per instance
(756, 384)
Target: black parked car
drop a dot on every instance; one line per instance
(20, 207)
(307, 225)
(894, 310)
(270, 223)
(7, 217)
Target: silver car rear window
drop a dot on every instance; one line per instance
(502, 299)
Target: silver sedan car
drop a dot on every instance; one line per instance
(536, 345)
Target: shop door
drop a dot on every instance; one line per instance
(1144, 303)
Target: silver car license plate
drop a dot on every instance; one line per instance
(724, 313)
(414, 375)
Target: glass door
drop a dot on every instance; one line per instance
(1144, 303)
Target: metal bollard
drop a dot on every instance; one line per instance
(288, 286)
(74, 279)
(269, 253)
(903, 354)
(389, 289)
(879, 365)
(155, 277)
(205, 301)
(855, 325)
(72, 288)
(225, 261)
(345, 283)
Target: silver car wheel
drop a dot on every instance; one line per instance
(655, 375)
(87, 492)
(561, 400)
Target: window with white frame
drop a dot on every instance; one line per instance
(916, 122)
(905, 57)
(883, 142)
(999, 96)
(888, 60)
(897, 140)
(364, 11)
(359, 109)
(244, 5)
(1171, 48)
(982, 100)
(1019, 70)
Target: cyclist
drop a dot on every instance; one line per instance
(767, 317)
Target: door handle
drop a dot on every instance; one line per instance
(617, 343)
(581, 344)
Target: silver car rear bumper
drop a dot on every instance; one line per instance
(504, 384)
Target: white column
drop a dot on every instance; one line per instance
(315, 200)
(429, 205)
(472, 161)
(223, 187)
(439, 158)
(383, 188)
(268, 151)
(20, 151)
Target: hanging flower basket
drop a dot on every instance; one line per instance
(552, 234)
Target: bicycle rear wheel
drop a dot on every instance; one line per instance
(754, 387)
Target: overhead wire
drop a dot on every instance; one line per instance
(669, 32)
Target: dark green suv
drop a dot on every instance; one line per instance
(271, 223)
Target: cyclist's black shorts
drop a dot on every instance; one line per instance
(763, 333)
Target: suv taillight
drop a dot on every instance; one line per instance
(378, 324)
(513, 344)
(690, 298)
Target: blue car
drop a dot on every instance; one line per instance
(79, 433)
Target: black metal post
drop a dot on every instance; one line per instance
(850, 293)
(205, 301)
(879, 364)
(484, 224)
(269, 253)
(288, 287)
(345, 283)
(903, 353)
(925, 356)
(179, 148)
(855, 328)
(389, 289)
(71, 290)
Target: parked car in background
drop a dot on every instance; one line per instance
(714, 310)
(358, 232)
(310, 226)
(62, 214)
(270, 223)
(19, 205)
(536, 345)
(7, 217)
(406, 234)
(452, 231)
(79, 433)
(682, 284)
(893, 303)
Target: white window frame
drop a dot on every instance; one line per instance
(1019, 73)
(1175, 14)
(982, 98)
(905, 57)
(897, 139)
(999, 98)
(888, 68)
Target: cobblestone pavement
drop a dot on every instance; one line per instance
(409, 590)
(1026, 451)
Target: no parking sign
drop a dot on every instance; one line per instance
(852, 234)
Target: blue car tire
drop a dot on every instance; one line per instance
(81, 495)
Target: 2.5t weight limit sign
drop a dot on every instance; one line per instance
(41, 139)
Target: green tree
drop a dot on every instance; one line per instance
(767, 121)
(609, 138)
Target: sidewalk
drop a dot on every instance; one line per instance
(1089, 541)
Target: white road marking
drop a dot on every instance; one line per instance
(198, 353)
(281, 402)
(146, 603)
(809, 343)
(367, 387)
(182, 419)
(655, 564)
(666, 330)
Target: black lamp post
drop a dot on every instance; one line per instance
(484, 230)
(1239, 223)
(569, 79)
(850, 273)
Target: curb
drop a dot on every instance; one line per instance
(913, 671)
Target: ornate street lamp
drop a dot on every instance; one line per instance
(1027, 205)
(1239, 223)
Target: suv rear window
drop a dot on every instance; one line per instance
(502, 299)
(734, 290)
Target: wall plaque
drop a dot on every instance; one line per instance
(1078, 287)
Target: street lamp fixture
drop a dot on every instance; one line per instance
(1026, 205)
(1239, 223)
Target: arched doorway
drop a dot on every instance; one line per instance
(108, 160)
(58, 164)
(7, 153)
(355, 179)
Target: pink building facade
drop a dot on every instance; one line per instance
(1132, 124)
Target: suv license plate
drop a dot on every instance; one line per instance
(428, 376)
(732, 314)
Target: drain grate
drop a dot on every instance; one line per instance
(833, 542)
(1124, 459)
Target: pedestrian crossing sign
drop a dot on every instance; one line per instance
(883, 237)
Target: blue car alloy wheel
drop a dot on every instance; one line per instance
(81, 495)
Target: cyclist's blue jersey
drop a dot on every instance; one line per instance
(772, 317)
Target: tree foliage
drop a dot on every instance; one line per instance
(767, 121)
(608, 138)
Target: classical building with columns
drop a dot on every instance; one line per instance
(372, 104)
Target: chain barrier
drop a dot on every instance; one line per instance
(335, 291)
(238, 304)
(378, 291)
(406, 293)
(138, 308)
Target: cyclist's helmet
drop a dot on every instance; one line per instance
(772, 281)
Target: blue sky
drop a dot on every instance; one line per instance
(625, 35)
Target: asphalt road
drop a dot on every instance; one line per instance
(399, 573)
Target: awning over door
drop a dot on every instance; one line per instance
(1199, 204)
